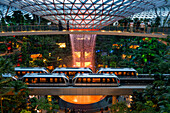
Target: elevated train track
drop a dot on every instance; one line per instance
(121, 90)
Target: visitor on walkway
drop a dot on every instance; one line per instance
(67, 25)
(149, 27)
(137, 26)
(142, 26)
(131, 26)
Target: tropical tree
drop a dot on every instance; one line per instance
(6, 68)
(154, 99)
(42, 104)
(17, 100)
(119, 107)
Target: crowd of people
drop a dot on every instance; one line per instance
(139, 26)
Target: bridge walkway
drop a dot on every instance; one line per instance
(24, 30)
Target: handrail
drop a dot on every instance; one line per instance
(134, 29)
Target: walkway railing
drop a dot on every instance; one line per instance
(25, 28)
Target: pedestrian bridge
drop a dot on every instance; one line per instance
(121, 90)
(24, 30)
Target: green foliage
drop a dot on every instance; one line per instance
(6, 67)
(43, 104)
(119, 107)
(25, 111)
(15, 102)
(154, 99)
(149, 57)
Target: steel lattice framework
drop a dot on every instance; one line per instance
(84, 14)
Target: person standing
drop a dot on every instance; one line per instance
(142, 26)
(131, 26)
(67, 25)
(149, 27)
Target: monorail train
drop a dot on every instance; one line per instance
(9, 76)
(45, 79)
(21, 71)
(120, 72)
(71, 72)
(88, 79)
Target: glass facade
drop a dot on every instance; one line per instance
(85, 14)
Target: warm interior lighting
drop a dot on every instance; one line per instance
(133, 46)
(119, 31)
(61, 45)
(34, 56)
(87, 64)
(84, 29)
(124, 56)
(87, 54)
(77, 54)
(78, 64)
(83, 99)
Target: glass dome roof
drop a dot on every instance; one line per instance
(84, 14)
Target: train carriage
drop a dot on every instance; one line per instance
(87, 79)
(21, 71)
(120, 72)
(45, 79)
(71, 72)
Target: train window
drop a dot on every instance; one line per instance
(40, 72)
(65, 73)
(115, 73)
(88, 80)
(51, 79)
(119, 73)
(26, 80)
(95, 80)
(107, 72)
(18, 73)
(128, 73)
(103, 80)
(79, 80)
(42, 79)
(82, 72)
(111, 72)
(35, 80)
(113, 80)
(132, 73)
(108, 80)
(28, 72)
(84, 80)
(55, 79)
(32, 72)
(124, 73)
(72, 73)
(23, 72)
(61, 80)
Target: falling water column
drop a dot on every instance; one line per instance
(83, 49)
